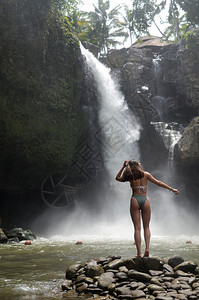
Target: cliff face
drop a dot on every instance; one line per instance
(40, 124)
(160, 83)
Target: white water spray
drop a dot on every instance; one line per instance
(118, 137)
(120, 130)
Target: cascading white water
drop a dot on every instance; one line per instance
(171, 133)
(119, 128)
(118, 138)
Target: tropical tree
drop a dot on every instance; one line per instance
(68, 10)
(139, 18)
(191, 8)
(179, 16)
(103, 26)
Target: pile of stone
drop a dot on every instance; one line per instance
(135, 278)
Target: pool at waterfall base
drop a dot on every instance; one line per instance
(37, 271)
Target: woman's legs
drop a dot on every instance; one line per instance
(135, 215)
(146, 216)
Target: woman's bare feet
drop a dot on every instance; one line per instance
(146, 253)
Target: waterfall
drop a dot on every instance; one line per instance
(119, 129)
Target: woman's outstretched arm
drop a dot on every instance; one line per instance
(160, 183)
(119, 174)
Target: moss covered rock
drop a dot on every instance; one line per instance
(40, 123)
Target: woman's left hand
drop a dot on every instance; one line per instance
(175, 191)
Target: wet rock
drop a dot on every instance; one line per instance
(88, 280)
(111, 287)
(141, 286)
(196, 272)
(123, 290)
(137, 294)
(70, 295)
(122, 283)
(127, 291)
(154, 287)
(155, 281)
(144, 264)
(168, 268)
(121, 275)
(94, 270)
(187, 148)
(129, 264)
(187, 267)
(176, 286)
(80, 278)
(181, 297)
(105, 280)
(66, 285)
(155, 273)
(133, 285)
(13, 240)
(163, 298)
(21, 234)
(72, 270)
(174, 261)
(139, 276)
(94, 290)
(104, 261)
(185, 286)
(115, 264)
(3, 237)
(187, 292)
(81, 287)
(195, 285)
(181, 273)
(123, 269)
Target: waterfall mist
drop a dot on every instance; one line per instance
(118, 140)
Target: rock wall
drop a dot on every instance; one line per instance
(187, 148)
(160, 81)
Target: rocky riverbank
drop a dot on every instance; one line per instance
(134, 278)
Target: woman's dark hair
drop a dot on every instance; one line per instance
(135, 172)
(127, 175)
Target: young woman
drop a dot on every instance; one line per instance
(132, 171)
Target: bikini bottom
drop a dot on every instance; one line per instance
(141, 199)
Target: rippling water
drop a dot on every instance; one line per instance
(37, 271)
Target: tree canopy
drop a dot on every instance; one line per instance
(107, 27)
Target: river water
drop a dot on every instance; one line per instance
(37, 271)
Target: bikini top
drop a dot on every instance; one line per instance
(141, 188)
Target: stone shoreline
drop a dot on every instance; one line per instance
(134, 278)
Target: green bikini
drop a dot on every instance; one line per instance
(141, 199)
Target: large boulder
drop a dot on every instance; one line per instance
(21, 234)
(3, 237)
(187, 148)
(152, 42)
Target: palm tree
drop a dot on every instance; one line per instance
(104, 26)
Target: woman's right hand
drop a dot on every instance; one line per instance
(125, 163)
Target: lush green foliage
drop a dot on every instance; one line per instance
(191, 7)
(102, 26)
(141, 16)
